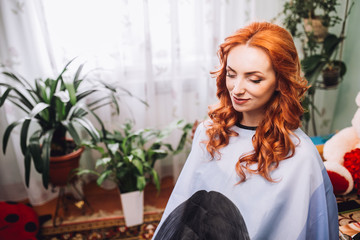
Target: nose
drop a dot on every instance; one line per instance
(239, 87)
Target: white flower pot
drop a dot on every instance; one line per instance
(133, 207)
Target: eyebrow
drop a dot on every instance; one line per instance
(254, 72)
(247, 73)
(230, 68)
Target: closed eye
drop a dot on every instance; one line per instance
(256, 81)
(228, 74)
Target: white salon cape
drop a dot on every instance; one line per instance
(299, 205)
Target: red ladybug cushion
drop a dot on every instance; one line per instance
(18, 221)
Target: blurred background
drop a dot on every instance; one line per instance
(162, 51)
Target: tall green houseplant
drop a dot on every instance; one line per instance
(309, 21)
(52, 108)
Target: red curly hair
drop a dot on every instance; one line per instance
(282, 114)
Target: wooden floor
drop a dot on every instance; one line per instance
(108, 200)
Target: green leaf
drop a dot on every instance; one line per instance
(306, 116)
(156, 179)
(20, 96)
(131, 95)
(83, 94)
(120, 164)
(168, 146)
(64, 96)
(103, 130)
(60, 109)
(27, 163)
(139, 153)
(4, 96)
(160, 153)
(96, 103)
(77, 111)
(128, 159)
(89, 127)
(186, 129)
(140, 183)
(72, 131)
(46, 151)
(115, 103)
(138, 164)
(34, 146)
(53, 87)
(309, 64)
(41, 90)
(85, 171)
(102, 162)
(64, 69)
(19, 105)
(330, 44)
(113, 147)
(103, 176)
(77, 74)
(37, 109)
(19, 79)
(71, 92)
(8, 132)
(23, 136)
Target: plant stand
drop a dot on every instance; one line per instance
(133, 207)
(62, 203)
(325, 100)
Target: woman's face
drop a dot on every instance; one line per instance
(251, 82)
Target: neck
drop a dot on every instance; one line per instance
(251, 120)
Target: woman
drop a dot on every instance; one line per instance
(252, 173)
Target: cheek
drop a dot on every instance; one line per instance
(264, 92)
(229, 85)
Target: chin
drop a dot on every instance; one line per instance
(239, 109)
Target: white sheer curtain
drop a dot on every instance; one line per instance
(23, 48)
(160, 50)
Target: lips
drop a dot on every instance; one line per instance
(240, 101)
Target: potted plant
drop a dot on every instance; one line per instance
(314, 16)
(332, 73)
(319, 50)
(128, 158)
(325, 63)
(54, 107)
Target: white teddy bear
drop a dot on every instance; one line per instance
(335, 149)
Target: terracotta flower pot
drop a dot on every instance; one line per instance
(61, 166)
(315, 25)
